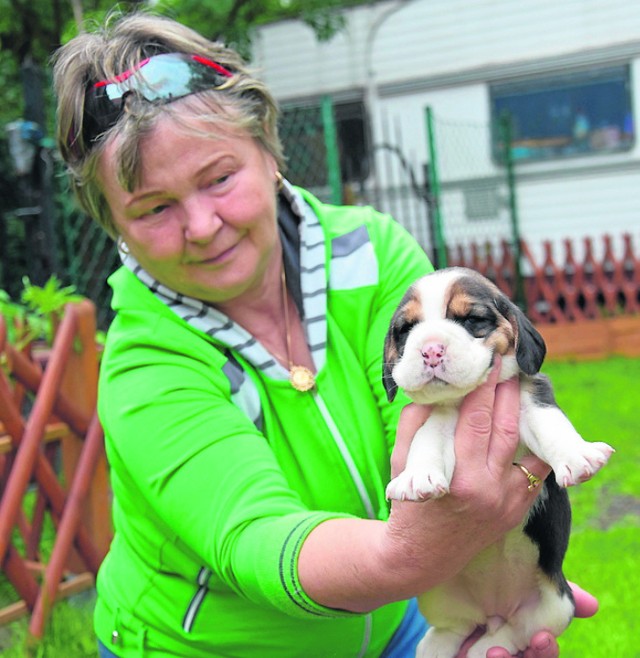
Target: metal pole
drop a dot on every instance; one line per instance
(40, 226)
(331, 145)
(507, 137)
(371, 90)
(440, 247)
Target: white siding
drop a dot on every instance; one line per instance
(450, 35)
(427, 38)
(445, 54)
(586, 206)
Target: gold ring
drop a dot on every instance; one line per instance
(534, 480)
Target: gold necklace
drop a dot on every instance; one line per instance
(300, 377)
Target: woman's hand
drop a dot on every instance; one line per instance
(487, 437)
(488, 495)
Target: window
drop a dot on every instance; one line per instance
(303, 137)
(580, 113)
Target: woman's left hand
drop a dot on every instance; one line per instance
(543, 644)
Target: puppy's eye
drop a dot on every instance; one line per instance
(401, 330)
(401, 333)
(478, 325)
(404, 327)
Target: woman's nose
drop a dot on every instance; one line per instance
(201, 220)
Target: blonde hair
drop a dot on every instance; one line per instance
(243, 103)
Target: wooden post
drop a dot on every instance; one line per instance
(80, 384)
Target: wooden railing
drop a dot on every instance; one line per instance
(584, 308)
(560, 288)
(51, 449)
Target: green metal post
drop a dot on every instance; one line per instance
(507, 138)
(331, 145)
(440, 246)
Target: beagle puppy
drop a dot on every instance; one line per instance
(440, 346)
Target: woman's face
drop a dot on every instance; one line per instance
(203, 219)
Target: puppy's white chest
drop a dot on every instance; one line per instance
(500, 579)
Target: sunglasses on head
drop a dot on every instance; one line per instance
(159, 79)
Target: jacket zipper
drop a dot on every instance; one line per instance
(368, 623)
(194, 606)
(346, 455)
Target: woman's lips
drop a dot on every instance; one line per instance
(220, 257)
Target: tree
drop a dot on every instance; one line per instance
(234, 21)
(31, 30)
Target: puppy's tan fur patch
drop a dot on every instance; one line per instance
(473, 291)
(412, 311)
(503, 339)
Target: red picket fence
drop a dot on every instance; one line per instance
(562, 288)
(584, 307)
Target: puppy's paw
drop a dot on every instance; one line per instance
(479, 650)
(417, 486)
(583, 464)
(438, 643)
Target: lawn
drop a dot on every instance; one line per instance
(601, 398)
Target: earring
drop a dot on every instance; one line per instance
(123, 248)
(279, 181)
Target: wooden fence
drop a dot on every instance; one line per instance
(585, 308)
(51, 453)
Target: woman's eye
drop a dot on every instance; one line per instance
(219, 180)
(152, 212)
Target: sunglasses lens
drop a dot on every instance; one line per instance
(166, 78)
(162, 78)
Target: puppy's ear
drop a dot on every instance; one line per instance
(406, 316)
(390, 356)
(530, 346)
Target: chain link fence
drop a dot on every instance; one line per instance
(310, 142)
(473, 195)
(42, 233)
(462, 201)
(13, 262)
(331, 153)
(473, 200)
(88, 254)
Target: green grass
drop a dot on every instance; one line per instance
(69, 634)
(601, 398)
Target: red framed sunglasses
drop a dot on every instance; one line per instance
(159, 79)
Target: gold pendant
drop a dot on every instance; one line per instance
(301, 378)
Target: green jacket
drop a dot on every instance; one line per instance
(220, 469)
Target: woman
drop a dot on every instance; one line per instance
(246, 424)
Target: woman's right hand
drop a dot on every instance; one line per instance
(359, 565)
(488, 494)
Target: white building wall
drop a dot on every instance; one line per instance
(406, 56)
(591, 205)
(426, 38)
(441, 36)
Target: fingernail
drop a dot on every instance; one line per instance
(542, 644)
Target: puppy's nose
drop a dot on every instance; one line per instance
(433, 353)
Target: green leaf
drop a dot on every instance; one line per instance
(36, 316)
